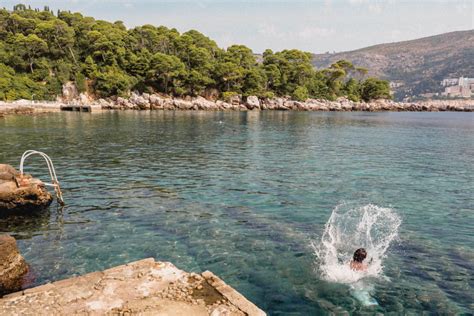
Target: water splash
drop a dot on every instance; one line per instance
(349, 228)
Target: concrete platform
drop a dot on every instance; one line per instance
(76, 108)
(143, 287)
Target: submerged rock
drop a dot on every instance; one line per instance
(12, 265)
(21, 193)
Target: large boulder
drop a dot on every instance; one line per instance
(182, 104)
(85, 99)
(21, 193)
(12, 265)
(252, 102)
(235, 100)
(201, 103)
(140, 101)
(156, 102)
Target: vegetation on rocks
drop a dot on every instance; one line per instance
(41, 50)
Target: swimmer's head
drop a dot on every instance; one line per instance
(359, 255)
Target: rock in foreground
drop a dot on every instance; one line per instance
(144, 287)
(21, 193)
(12, 265)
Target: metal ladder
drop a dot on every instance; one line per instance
(54, 180)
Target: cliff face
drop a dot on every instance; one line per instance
(418, 65)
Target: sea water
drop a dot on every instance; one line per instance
(248, 195)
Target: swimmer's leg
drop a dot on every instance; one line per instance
(362, 294)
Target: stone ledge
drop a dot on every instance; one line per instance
(232, 295)
(141, 287)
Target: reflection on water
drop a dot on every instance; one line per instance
(245, 195)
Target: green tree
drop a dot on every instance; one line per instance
(58, 35)
(352, 90)
(113, 82)
(254, 82)
(89, 67)
(374, 88)
(30, 47)
(229, 76)
(166, 70)
(301, 93)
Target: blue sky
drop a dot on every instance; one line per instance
(315, 26)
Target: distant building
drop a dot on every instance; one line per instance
(396, 84)
(450, 82)
(429, 95)
(462, 87)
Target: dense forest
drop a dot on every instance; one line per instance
(40, 50)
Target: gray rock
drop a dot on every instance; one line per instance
(146, 96)
(182, 104)
(69, 91)
(156, 102)
(235, 100)
(12, 266)
(84, 99)
(104, 104)
(139, 101)
(201, 103)
(252, 103)
(221, 105)
(168, 104)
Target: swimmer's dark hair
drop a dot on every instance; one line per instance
(359, 255)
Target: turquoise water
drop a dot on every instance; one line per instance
(246, 194)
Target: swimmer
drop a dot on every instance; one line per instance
(357, 260)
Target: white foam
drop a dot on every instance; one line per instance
(349, 228)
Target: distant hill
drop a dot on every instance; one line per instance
(417, 65)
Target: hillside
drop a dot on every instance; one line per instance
(42, 51)
(419, 65)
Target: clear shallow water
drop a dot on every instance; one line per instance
(245, 194)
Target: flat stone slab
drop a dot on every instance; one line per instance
(143, 287)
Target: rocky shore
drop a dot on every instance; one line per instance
(26, 107)
(158, 102)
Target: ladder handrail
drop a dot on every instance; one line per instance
(52, 172)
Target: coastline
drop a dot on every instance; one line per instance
(152, 102)
(24, 107)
